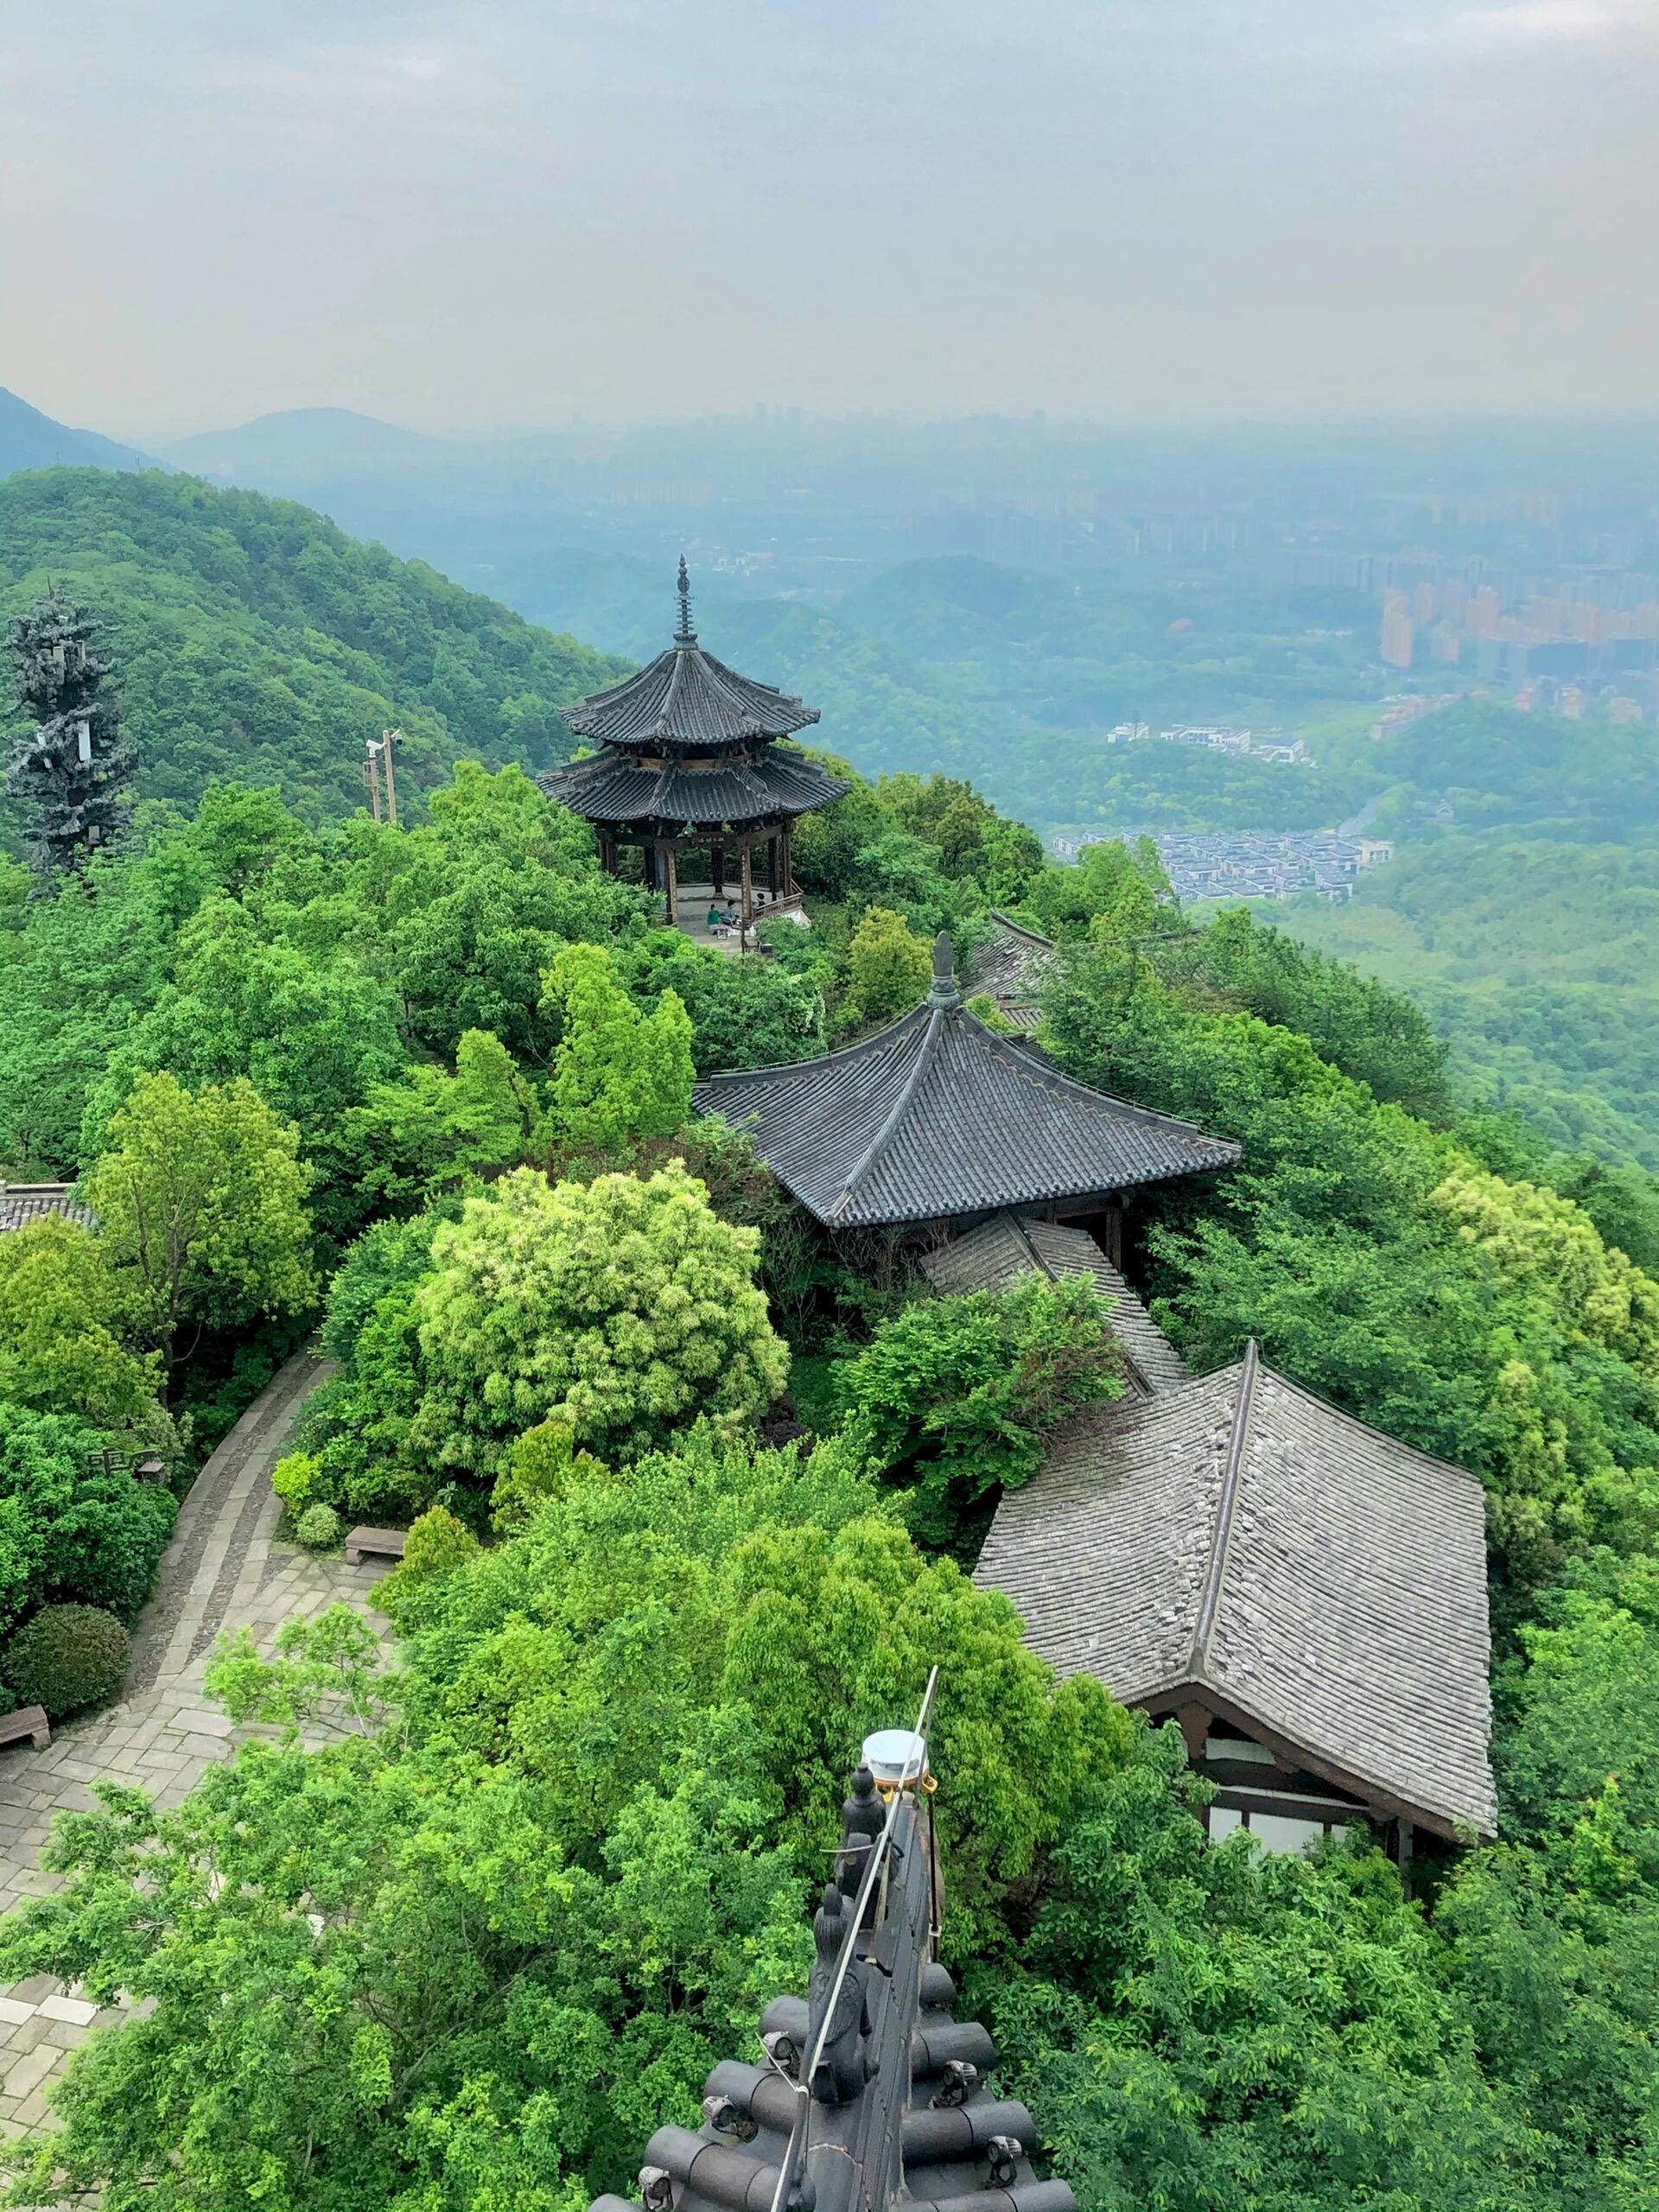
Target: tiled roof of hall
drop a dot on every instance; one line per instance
(1235, 1537)
(776, 787)
(688, 701)
(938, 1116)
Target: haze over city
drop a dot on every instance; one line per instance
(457, 217)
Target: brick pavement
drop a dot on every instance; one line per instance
(224, 1569)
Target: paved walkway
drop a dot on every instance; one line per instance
(224, 1569)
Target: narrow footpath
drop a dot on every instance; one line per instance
(224, 1569)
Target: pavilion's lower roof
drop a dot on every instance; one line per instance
(937, 1116)
(671, 795)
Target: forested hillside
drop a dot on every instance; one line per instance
(689, 1487)
(1527, 925)
(257, 641)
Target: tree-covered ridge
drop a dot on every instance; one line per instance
(255, 640)
(473, 1952)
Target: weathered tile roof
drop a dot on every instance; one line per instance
(1239, 1535)
(774, 786)
(685, 697)
(1012, 964)
(21, 1203)
(1000, 1251)
(937, 1116)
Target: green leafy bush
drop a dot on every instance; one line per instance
(294, 1479)
(68, 1657)
(318, 1528)
(955, 1397)
(437, 1543)
(69, 1527)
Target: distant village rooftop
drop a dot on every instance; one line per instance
(938, 1117)
(1306, 1595)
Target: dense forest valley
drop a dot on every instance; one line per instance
(692, 1490)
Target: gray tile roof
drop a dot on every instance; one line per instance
(1012, 964)
(685, 697)
(1000, 1251)
(21, 1203)
(937, 1116)
(773, 786)
(1238, 1535)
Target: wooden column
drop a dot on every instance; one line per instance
(748, 884)
(648, 859)
(771, 864)
(717, 868)
(789, 862)
(672, 887)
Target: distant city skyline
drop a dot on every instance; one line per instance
(454, 217)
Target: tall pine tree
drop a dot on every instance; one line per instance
(74, 768)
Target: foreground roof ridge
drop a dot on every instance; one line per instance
(1238, 1444)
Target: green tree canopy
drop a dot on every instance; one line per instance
(200, 1200)
(622, 1308)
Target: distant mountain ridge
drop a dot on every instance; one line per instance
(29, 439)
(305, 445)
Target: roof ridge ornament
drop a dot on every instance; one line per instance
(944, 991)
(685, 635)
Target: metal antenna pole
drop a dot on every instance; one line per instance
(372, 772)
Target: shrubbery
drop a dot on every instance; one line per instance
(68, 1657)
(68, 1525)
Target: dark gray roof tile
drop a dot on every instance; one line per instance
(937, 1116)
(1334, 1589)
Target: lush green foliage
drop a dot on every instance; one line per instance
(70, 1527)
(475, 1953)
(68, 1657)
(956, 1397)
(619, 1073)
(200, 1200)
(67, 1318)
(255, 640)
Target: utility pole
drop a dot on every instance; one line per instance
(389, 739)
(372, 772)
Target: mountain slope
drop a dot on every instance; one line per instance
(31, 439)
(255, 640)
(304, 445)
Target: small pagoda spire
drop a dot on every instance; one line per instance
(944, 991)
(685, 635)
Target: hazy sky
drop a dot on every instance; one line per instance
(515, 210)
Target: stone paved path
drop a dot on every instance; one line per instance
(224, 1569)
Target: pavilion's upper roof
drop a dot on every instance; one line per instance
(686, 698)
(1238, 1537)
(677, 795)
(938, 1115)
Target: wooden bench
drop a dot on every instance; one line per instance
(375, 1543)
(28, 1721)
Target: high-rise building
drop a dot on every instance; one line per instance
(1484, 612)
(1425, 605)
(1397, 632)
(1444, 644)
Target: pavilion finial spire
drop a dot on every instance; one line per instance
(685, 635)
(944, 991)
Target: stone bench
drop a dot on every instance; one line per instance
(375, 1543)
(28, 1721)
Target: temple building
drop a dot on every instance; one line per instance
(868, 2093)
(689, 765)
(939, 1119)
(1305, 1595)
